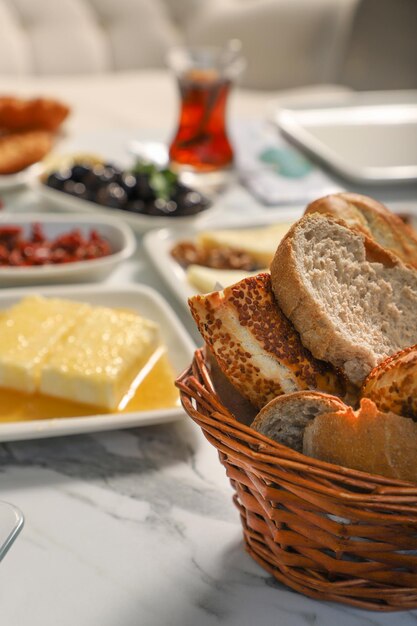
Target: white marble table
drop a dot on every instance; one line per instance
(137, 527)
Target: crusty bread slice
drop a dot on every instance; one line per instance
(392, 384)
(373, 219)
(352, 302)
(284, 418)
(256, 346)
(366, 440)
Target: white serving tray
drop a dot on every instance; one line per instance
(158, 245)
(25, 177)
(118, 234)
(370, 139)
(146, 302)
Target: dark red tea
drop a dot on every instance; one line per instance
(201, 141)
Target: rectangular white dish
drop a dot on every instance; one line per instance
(141, 299)
(118, 234)
(158, 244)
(369, 139)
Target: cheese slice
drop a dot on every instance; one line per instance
(101, 358)
(28, 331)
(259, 243)
(207, 279)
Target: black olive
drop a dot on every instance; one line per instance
(143, 189)
(191, 202)
(106, 175)
(75, 189)
(112, 195)
(157, 207)
(79, 172)
(128, 182)
(56, 180)
(135, 206)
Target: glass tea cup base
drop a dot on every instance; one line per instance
(11, 523)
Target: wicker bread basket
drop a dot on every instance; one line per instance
(323, 530)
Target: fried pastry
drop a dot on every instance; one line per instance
(18, 151)
(17, 114)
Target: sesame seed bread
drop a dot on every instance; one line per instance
(284, 418)
(240, 407)
(366, 440)
(352, 302)
(255, 346)
(366, 215)
(392, 384)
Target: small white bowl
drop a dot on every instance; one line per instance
(118, 234)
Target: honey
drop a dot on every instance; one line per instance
(156, 391)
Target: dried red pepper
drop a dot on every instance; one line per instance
(18, 251)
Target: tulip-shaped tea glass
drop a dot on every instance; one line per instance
(205, 76)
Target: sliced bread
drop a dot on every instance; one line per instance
(392, 384)
(284, 418)
(366, 440)
(352, 302)
(373, 219)
(255, 345)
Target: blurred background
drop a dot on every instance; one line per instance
(362, 44)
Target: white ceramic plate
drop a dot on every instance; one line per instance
(158, 244)
(118, 234)
(24, 177)
(140, 223)
(146, 302)
(370, 139)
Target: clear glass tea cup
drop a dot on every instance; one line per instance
(205, 76)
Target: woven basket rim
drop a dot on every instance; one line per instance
(329, 532)
(270, 451)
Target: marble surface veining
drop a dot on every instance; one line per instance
(134, 528)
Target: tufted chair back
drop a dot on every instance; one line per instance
(83, 36)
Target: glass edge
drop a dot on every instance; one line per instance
(19, 523)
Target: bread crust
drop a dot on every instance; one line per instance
(392, 384)
(256, 346)
(318, 332)
(366, 440)
(277, 420)
(373, 219)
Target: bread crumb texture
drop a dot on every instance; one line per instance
(364, 300)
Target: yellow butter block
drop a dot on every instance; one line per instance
(99, 359)
(28, 331)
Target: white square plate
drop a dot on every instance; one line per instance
(158, 245)
(146, 302)
(372, 138)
